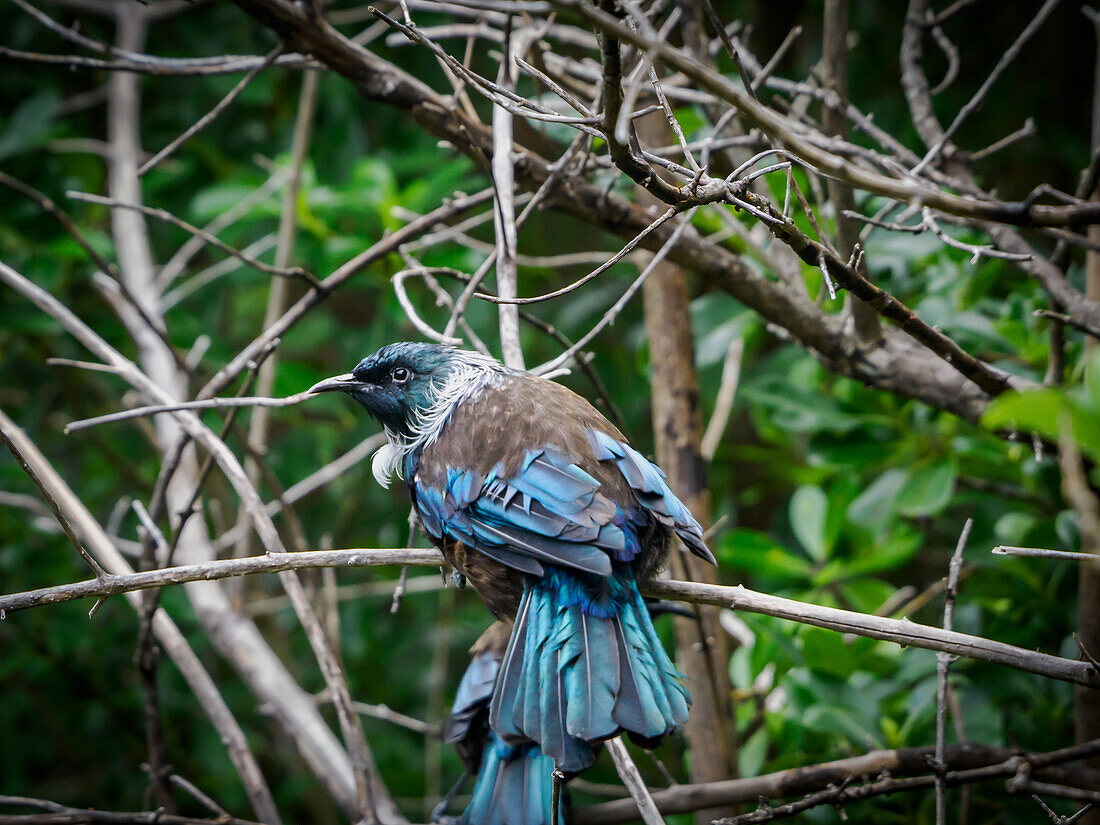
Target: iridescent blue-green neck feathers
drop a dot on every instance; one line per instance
(400, 382)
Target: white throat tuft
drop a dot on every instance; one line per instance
(386, 461)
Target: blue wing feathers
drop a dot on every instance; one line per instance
(552, 511)
(517, 561)
(590, 668)
(554, 480)
(549, 511)
(648, 483)
(473, 692)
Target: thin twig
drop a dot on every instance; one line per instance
(943, 663)
(609, 317)
(1024, 132)
(209, 117)
(168, 217)
(975, 251)
(975, 101)
(556, 778)
(202, 404)
(1041, 553)
(614, 259)
(10, 435)
(766, 70)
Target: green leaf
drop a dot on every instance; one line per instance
(891, 731)
(826, 651)
(808, 513)
(759, 555)
(28, 124)
(1035, 410)
(753, 753)
(838, 721)
(867, 595)
(1092, 379)
(889, 553)
(1042, 411)
(876, 504)
(927, 491)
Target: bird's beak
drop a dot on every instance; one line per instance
(338, 383)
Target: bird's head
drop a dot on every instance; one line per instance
(398, 383)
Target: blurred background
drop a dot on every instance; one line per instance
(826, 491)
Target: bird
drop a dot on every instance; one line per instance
(514, 783)
(543, 505)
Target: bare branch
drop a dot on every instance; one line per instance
(628, 772)
(209, 117)
(943, 663)
(160, 66)
(12, 436)
(965, 762)
(112, 585)
(723, 404)
(975, 101)
(504, 212)
(167, 632)
(1040, 553)
(202, 404)
(168, 217)
(899, 631)
(614, 259)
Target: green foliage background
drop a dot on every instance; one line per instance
(834, 493)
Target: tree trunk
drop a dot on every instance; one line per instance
(677, 425)
(1086, 701)
(704, 648)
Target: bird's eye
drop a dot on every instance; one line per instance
(400, 375)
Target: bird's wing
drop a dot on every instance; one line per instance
(647, 481)
(548, 510)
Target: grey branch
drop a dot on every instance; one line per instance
(112, 585)
(1041, 553)
(899, 631)
(202, 404)
(628, 772)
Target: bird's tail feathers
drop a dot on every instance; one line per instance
(514, 787)
(584, 664)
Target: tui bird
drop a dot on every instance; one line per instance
(543, 505)
(514, 784)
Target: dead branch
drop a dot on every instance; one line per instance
(165, 629)
(898, 631)
(834, 780)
